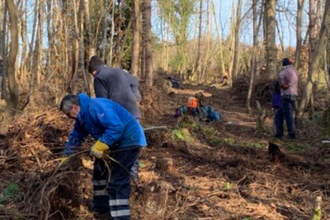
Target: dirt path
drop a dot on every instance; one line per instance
(226, 172)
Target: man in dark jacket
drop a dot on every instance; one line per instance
(112, 83)
(119, 86)
(114, 130)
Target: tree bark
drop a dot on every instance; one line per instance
(136, 38)
(105, 27)
(235, 62)
(11, 62)
(23, 18)
(300, 4)
(146, 14)
(3, 61)
(39, 42)
(255, 53)
(199, 52)
(82, 47)
(75, 50)
(89, 34)
(218, 30)
(50, 52)
(316, 56)
(112, 32)
(270, 38)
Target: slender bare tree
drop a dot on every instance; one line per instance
(236, 48)
(89, 34)
(39, 43)
(136, 38)
(271, 59)
(13, 100)
(316, 57)
(199, 45)
(300, 5)
(3, 60)
(23, 21)
(146, 15)
(255, 52)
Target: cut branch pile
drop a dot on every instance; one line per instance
(37, 182)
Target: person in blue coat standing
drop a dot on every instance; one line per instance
(118, 134)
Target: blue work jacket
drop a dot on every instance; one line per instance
(107, 122)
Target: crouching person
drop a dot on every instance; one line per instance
(118, 135)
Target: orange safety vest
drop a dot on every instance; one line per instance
(192, 102)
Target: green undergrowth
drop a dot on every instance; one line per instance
(11, 192)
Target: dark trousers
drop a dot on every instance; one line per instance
(111, 195)
(135, 167)
(285, 112)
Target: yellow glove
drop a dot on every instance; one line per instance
(98, 149)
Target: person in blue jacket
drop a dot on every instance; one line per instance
(118, 134)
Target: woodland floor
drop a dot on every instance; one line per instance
(221, 170)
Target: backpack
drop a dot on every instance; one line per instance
(180, 111)
(276, 97)
(211, 114)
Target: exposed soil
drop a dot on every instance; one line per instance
(222, 171)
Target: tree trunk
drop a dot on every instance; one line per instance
(207, 56)
(75, 50)
(270, 38)
(89, 43)
(11, 62)
(63, 46)
(23, 18)
(3, 61)
(37, 64)
(112, 48)
(31, 46)
(298, 33)
(105, 27)
(316, 57)
(218, 30)
(89, 34)
(136, 38)
(235, 62)
(146, 14)
(82, 47)
(39, 43)
(255, 53)
(231, 40)
(199, 52)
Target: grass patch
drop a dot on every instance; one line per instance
(256, 145)
(182, 134)
(293, 147)
(10, 192)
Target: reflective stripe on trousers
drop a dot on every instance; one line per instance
(120, 202)
(120, 213)
(100, 187)
(119, 187)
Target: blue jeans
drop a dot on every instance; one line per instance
(285, 112)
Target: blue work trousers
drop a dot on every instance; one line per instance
(111, 194)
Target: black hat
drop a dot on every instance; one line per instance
(94, 63)
(286, 62)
